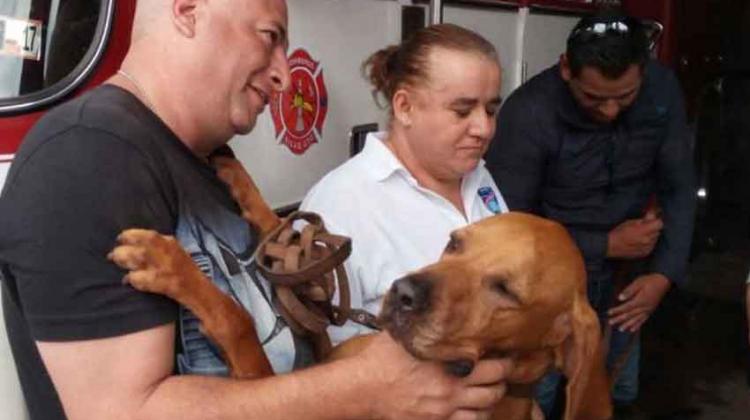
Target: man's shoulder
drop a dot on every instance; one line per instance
(658, 71)
(543, 81)
(660, 80)
(104, 110)
(541, 92)
(96, 131)
(660, 95)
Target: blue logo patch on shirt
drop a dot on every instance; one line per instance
(489, 199)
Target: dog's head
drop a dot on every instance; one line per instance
(512, 285)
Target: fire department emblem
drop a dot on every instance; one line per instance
(300, 111)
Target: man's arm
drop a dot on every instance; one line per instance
(676, 194)
(677, 201)
(634, 238)
(516, 158)
(130, 377)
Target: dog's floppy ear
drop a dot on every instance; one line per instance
(581, 359)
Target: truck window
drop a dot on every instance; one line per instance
(47, 48)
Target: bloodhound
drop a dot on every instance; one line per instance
(513, 285)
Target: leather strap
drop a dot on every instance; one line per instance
(305, 269)
(362, 317)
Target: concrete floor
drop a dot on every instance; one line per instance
(695, 351)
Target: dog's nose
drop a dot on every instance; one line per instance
(412, 295)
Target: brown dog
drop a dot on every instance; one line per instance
(511, 285)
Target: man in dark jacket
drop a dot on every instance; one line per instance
(591, 142)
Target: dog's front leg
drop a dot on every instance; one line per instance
(158, 264)
(254, 208)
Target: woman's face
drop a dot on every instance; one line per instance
(453, 113)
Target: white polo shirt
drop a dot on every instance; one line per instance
(395, 225)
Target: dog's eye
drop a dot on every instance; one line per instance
(454, 245)
(500, 287)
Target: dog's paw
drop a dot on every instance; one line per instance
(156, 263)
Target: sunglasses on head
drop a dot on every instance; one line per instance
(599, 29)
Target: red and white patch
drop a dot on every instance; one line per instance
(300, 111)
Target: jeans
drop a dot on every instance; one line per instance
(625, 388)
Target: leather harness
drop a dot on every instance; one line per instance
(305, 269)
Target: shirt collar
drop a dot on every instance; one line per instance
(385, 163)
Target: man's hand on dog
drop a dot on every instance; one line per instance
(635, 238)
(638, 300)
(413, 389)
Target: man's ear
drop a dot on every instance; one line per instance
(184, 16)
(402, 105)
(565, 72)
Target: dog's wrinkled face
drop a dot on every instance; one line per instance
(504, 285)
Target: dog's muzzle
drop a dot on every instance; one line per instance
(411, 295)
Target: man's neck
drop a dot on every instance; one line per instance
(142, 85)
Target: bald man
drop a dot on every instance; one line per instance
(133, 153)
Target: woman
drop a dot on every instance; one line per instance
(400, 198)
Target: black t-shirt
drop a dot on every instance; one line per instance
(89, 169)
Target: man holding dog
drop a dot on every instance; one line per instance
(589, 143)
(134, 153)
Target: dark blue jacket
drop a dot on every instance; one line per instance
(549, 158)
